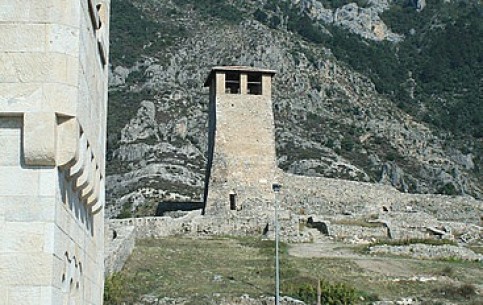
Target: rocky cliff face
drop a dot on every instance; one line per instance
(364, 21)
(331, 120)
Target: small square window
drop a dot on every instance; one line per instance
(255, 83)
(232, 83)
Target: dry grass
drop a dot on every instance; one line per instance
(230, 267)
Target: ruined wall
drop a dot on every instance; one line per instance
(325, 196)
(119, 242)
(194, 224)
(53, 100)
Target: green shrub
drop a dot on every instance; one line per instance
(331, 293)
(448, 189)
(447, 271)
(126, 211)
(456, 291)
(347, 144)
(114, 290)
(217, 9)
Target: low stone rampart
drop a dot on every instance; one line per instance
(359, 232)
(196, 224)
(119, 244)
(123, 232)
(422, 251)
(324, 196)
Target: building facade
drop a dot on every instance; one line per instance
(53, 103)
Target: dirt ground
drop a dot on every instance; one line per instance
(331, 249)
(427, 276)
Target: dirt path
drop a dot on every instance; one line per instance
(391, 267)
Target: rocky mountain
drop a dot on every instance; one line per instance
(366, 90)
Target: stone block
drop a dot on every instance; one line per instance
(13, 268)
(63, 39)
(17, 237)
(68, 142)
(48, 183)
(59, 271)
(15, 181)
(79, 233)
(52, 238)
(25, 295)
(82, 180)
(39, 136)
(28, 209)
(77, 169)
(13, 10)
(3, 293)
(22, 37)
(94, 197)
(64, 12)
(8, 73)
(50, 295)
(45, 11)
(10, 137)
(18, 97)
(30, 67)
(60, 98)
(63, 215)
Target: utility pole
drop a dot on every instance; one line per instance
(276, 189)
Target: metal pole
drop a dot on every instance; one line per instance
(276, 189)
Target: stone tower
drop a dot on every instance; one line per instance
(242, 160)
(53, 101)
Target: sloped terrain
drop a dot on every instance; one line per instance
(232, 270)
(347, 103)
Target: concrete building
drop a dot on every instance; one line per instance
(53, 100)
(242, 161)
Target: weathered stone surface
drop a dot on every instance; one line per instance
(119, 243)
(53, 90)
(429, 252)
(39, 140)
(364, 21)
(241, 148)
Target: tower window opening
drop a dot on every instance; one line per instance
(233, 202)
(232, 83)
(255, 83)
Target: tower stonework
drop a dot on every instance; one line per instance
(53, 103)
(241, 155)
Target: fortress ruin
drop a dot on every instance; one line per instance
(242, 168)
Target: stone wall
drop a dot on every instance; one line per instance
(194, 224)
(357, 232)
(53, 102)
(422, 251)
(119, 244)
(325, 196)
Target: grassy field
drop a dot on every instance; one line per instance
(206, 269)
